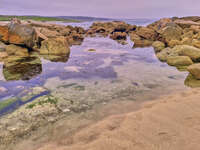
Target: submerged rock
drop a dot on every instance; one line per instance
(21, 68)
(179, 61)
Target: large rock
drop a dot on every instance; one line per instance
(165, 53)
(158, 46)
(192, 52)
(55, 46)
(146, 33)
(195, 70)
(179, 61)
(4, 33)
(171, 32)
(16, 50)
(22, 34)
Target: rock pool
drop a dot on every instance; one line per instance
(97, 71)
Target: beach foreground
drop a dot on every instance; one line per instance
(170, 123)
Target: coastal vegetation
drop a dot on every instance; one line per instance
(36, 18)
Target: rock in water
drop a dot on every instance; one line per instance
(55, 46)
(20, 68)
(21, 34)
(195, 70)
(179, 61)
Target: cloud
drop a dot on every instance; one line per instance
(102, 8)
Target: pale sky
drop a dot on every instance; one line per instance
(102, 8)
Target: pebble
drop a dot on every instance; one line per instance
(3, 89)
(66, 110)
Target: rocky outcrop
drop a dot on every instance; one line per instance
(21, 34)
(55, 46)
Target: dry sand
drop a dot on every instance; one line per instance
(171, 123)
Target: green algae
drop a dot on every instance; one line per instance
(7, 102)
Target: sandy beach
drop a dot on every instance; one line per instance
(170, 123)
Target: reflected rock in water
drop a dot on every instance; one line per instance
(21, 68)
(55, 58)
(190, 81)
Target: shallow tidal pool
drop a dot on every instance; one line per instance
(97, 71)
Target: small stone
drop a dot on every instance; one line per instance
(66, 110)
(3, 89)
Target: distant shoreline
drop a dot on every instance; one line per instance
(37, 18)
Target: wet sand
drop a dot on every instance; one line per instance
(170, 123)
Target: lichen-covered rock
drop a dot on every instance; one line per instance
(171, 32)
(158, 46)
(195, 70)
(55, 46)
(179, 61)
